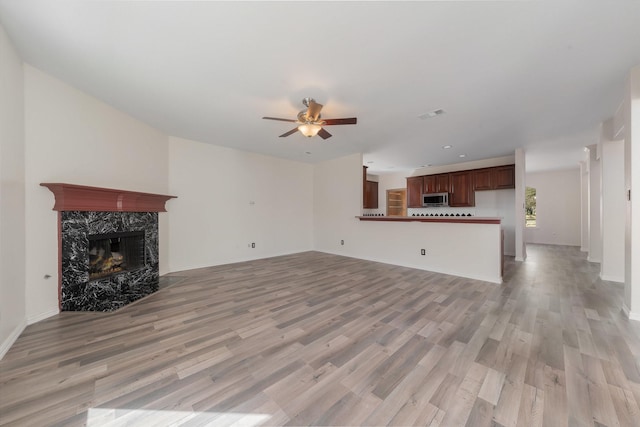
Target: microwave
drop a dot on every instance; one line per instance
(432, 200)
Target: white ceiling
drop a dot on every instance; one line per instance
(535, 74)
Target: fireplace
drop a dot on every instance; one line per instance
(108, 246)
(109, 259)
(115, 252)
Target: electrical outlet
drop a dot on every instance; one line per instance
(253, 245)
(342, 242)
(423, 252)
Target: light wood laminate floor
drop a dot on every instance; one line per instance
(318, 339)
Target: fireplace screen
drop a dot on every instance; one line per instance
(115, 252)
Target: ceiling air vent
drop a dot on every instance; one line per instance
(431, 114)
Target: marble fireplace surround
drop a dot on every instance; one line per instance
(84, 211)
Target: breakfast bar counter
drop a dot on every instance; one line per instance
(466, 246)
(440, 219)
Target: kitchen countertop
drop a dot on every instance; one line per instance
(441, 219)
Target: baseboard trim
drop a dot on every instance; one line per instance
(13, 336)
(41, 316)
(630, 314)
(593, 259)
(609, 278)
(492, 279)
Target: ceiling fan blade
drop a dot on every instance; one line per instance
(292, 131)
(349, 121)
(282, 120)
(324, 134)
(314, 110)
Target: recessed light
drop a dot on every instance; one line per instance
(446, 147)
(307, 152)
(462, 155)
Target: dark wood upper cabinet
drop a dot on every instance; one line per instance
(429, 185)
(494, 178)
(442, 183)
(505, 176)
(364, 186)
(461, 186)
(371, 195)
(369, 191)
(436, 183)
(483, 179)
(462, 194)
(414, 191)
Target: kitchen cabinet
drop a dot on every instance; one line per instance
(369, 191)
(461, 189)
(371, 195)
(461, 185)
(414, 191)
(494, 178)
(483, 179)
(436, 183)
(505, 176)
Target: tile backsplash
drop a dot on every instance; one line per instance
(373, 212)
(426, 212)
(441, 211)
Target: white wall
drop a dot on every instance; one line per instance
(632, 180)
(337, 191)
(74, 138)
(12, 208)
(557, 207)
(519, 210)
(228, 199)
(595, 205)
(584, 204)
(613, 211)
(475, 164)
(500, 203)
(467, 250)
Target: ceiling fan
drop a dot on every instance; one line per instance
(309, 121)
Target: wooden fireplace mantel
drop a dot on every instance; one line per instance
(71, 197)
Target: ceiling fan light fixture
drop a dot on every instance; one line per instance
(309, 129)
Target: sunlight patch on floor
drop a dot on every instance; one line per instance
(147, 417)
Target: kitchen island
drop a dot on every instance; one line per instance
(465, 246)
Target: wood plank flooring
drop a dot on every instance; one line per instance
(318, 339)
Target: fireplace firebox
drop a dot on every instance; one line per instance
(115, 252)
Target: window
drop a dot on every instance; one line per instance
(530, 207)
